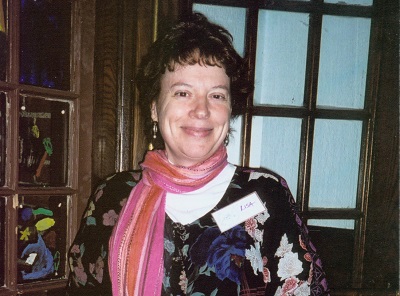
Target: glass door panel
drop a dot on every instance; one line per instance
(343, 61)
(43, 141)
(335, 163)
(281, 58)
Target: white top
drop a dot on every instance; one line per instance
(190, 206)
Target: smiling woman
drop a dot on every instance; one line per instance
(159, 231)
(193, 112)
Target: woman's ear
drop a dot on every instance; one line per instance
(153, 109)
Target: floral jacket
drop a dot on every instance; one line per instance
(268, 254)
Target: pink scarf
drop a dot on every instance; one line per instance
(137, 243)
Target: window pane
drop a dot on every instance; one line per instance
(234, 146)
(43, 142)
(336, 248)
(343, 61)
(42, 234)
(275, 144)
(2, 137)
(3, 40)
(351, 2)
(335, 163)
(281, 58)
(231, 18)
(45, 38)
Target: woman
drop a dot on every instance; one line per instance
(193, 224)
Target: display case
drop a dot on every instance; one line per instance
(40, 99)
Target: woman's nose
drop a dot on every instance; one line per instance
(200, 108)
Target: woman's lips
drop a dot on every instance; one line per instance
(197, 131)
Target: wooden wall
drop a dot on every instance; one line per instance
(105, 102)
(381, 260)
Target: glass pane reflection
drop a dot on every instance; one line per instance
(43, 142)
(45, 35)
(42, 234)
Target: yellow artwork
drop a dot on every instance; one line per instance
(45, 224)
(25, 234)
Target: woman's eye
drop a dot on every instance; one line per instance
(218, 97)
(181, 94)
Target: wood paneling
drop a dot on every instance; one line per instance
(105, 115)
(381, 260)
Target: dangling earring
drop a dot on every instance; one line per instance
(154, 133)
(226, 141)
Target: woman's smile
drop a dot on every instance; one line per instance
(197, 131)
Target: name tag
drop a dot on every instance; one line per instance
(239, 211)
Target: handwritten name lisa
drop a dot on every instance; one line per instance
(246, 206)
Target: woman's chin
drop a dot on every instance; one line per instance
(191, 157)
(191, 151)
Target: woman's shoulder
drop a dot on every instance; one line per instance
(90, 247)
(113, 191)
(117, 184)
(270, 187)
(121, 178)
(260, 176)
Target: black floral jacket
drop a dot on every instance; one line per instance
(268, 254)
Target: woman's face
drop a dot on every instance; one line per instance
(193, 112)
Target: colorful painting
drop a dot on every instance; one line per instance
(41, 237)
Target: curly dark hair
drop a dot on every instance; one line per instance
(192, 40)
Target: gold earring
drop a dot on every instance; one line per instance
(154, 130)
(226, 141)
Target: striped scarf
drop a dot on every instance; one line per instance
(137, 243)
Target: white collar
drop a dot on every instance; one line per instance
(188, 207)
